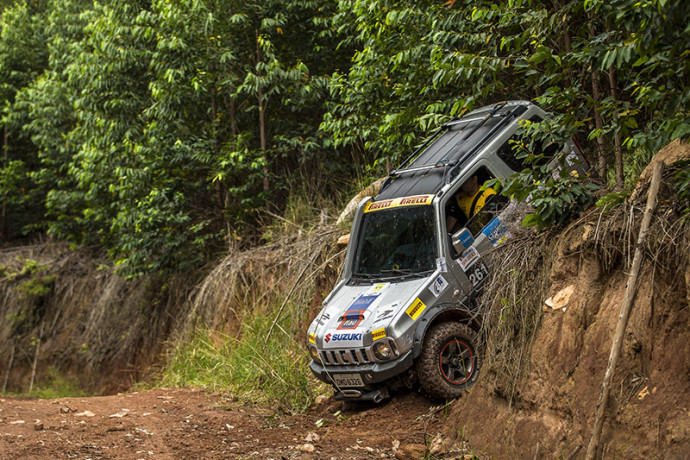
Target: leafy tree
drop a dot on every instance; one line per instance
(616, 72)
(46, 107)
(22, 58)
(154, 149)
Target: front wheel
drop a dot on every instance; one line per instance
(450, 360)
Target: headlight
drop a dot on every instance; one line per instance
(315, 354)
(382, 350)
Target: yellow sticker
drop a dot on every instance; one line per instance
(416, 200)
(379, 287)
(378, 334)
(312, 338)
(415, 309)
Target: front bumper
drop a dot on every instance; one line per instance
(371, 373)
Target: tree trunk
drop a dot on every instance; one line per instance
(3, 211)
(620, 181)
(626, 307)
(38, 350)
(598, 121)
(216, 139)
(262, 120)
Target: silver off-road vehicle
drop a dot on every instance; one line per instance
(405, 309)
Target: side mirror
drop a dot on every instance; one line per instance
(461, 240)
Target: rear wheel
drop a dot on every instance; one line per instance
(450, 360)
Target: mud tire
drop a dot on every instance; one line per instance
(450, 361)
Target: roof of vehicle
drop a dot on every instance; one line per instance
(439, 160)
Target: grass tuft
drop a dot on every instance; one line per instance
(254, 370)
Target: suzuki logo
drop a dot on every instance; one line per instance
(327, 338)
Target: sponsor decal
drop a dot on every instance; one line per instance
(415, 309)
(438, 286)
(496, 232)
(468, 258)
(465, 238)
(323, 319)
(377, 288)
(350, 322)
(396, 202)
(361, 303)
(441, 265)
(385, 313)
(335, 339)
(378, 205)
(312, 338)
(378, 334)
(479, 274)
(355, 312)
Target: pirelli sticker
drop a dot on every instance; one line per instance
(312, 338)
(416, 309)
(378, 334)
(397, 202)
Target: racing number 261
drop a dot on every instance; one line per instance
(479, 274)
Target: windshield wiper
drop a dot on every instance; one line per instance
(366, 276)
(397, 271)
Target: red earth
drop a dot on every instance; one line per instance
(182, 423)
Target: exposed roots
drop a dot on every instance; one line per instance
(514, 299)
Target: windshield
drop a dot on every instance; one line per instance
(396, 242)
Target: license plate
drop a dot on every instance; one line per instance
(348, 380)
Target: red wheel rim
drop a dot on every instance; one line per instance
(456, 362)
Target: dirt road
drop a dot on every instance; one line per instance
(176, 423)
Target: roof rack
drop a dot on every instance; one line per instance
(402, 169)
(418, 150)
(480, 143)
(450, 166)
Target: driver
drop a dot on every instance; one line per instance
(467, 202)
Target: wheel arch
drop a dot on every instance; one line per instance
(464, 312)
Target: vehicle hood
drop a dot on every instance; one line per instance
(354, 310)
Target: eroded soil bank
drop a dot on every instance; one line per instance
(548, 412)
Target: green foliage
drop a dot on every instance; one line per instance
(272, 372)
(155, 130)
(416, 64)
(633, 165)
(54, 385)
(682, 184)
(557, 201)
(545, 183)
(39, 283)
(22, 59)
(611, 200)
(153, 127)
(38, 287)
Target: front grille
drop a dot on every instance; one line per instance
(350, 357)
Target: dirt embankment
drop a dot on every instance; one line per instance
(67, 315)
(553, 401)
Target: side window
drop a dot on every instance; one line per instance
(511, 150)
(473, 206)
